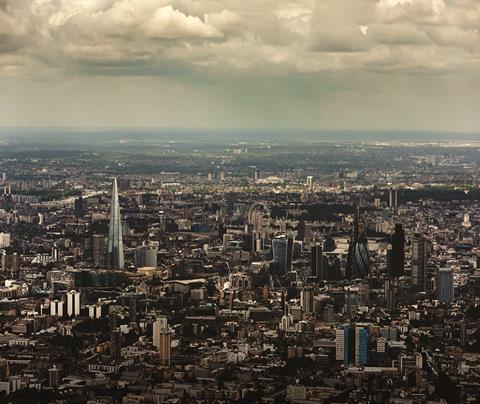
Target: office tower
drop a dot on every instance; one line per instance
(112, 317)
(162, 339)
(95, 311)
(79, 208)
(15, 262)
(139, 198)
(361, 346)
(53, 376)
(56, 308)
(306, 300)
(329, 314)
(419, 263)
(99, 250)
(341, 341)
(257, 175)
(145, 257)
(316, 261)
(345, 344)
(55, 252)
(4, 257)
(393, 198)
(282, 249)
(389, 291)
(5, 240)
(73, 303)
(397, 258)
(358, 259)
(115, 258)
(116, 343)
(310, 183)
(222, 175)
(132, 309)
(445, 286)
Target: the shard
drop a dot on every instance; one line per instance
(115, 242)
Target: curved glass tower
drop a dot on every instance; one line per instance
(358, 259)
(115, 241)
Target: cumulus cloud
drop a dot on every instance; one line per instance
(143, 36)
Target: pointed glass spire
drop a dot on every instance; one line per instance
(115, 241)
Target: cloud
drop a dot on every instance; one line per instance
(141, 37)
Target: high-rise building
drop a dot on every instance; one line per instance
(99, 250)
(73, 303)
(306, 300)
(341, 345)
(145, 256)
(345, 344)
(317, 261)
(358, 259)
(389, 291)
(445, 286)
(4, 240)
(79, 208)
(55, 252)
(132, 308)
(257, 175)
(162, 339)
(282, 249)
(310, 183)
(361, 346)
(53, 376)
(352, 344)
(419, 263)
(116, 343)
(15, 262)
(393, 198)
(3, 261)
(115, 259)
(56, 308)
(397, 258)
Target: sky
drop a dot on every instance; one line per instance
(317, 64)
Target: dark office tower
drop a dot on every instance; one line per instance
(257, 175)
(358, 259)
(79, 208)
(112, 318)
(300, 231)
(398, 252)
(392, 198)
(419, 263)
(115, 343)
(389, 290)
(132, 309)
(316, 264)
(283, 252)
(98, 250)
(115, 258)
(445, 286)
(15, 264)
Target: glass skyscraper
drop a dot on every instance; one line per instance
(419, 263)
(282, 249)
(115, 258)
(445, 286)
